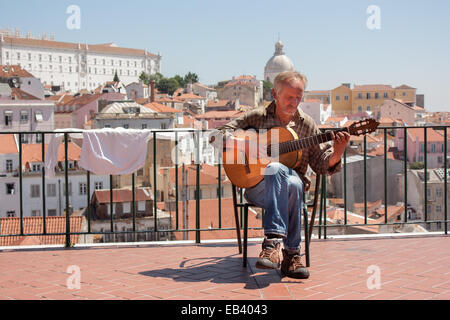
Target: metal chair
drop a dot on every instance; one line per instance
(308, 226)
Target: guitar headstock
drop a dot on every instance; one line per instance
(363, 127)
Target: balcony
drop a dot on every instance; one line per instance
(171, 257)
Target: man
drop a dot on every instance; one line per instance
(281, 191)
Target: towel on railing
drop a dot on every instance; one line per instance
(117, 151)
(107, 151)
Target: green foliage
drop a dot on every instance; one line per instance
(417, 165)
(116, 77)
(190, 78)
(167, 85)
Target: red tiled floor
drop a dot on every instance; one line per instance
(409, 268)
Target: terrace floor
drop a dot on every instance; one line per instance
(407, 267)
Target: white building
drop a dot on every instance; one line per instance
(32, 194)
(27, 115)
(279, 62)
(317, 110)
(75, 66)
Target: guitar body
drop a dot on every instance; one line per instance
(247, 169)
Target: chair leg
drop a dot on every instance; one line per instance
(305, 221)
(244, 262)
(236, 218)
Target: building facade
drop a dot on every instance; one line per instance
(76, 66)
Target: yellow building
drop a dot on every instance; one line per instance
(366, 97)
(406, 94)
(341, 99)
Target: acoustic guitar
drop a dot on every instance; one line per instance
(246, 157)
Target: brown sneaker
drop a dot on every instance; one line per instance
(292, 266)
(270, 256)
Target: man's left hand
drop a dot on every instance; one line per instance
(340, 141)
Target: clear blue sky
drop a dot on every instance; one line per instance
(327, 40)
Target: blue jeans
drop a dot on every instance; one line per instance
(281, 195)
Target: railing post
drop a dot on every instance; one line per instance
(405, 146)
(385, 178)
(426, 173)
(197, 205)
(20, 185)
(66, 188)
(44, 225)
(365, 179)
(445, 180)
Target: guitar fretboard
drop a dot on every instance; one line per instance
(304, 143)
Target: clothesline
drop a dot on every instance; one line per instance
(109, 151)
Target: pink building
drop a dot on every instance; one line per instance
(397, 110)
(416, 145)
(218, 118)
(78, 111)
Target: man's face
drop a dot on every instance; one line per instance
(288, 98)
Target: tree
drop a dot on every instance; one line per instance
(144, 77)
(116, 77)
(267, 90)
(180, 80)
(190, 78)
(156, 77)
(167, 85)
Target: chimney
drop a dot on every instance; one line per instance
(152, 92)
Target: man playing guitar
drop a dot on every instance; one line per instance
(280, 193)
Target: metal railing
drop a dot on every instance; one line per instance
(322, 225)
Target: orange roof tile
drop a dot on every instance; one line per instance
(158, 107)
(99, 48)
(33, 152)
(218, 103)
(7, 71)
(123, 195)
(189, 96)
(8, 144)
(34, 225)
(432, 135)
(220, 114)
(208, 175)
(209, 218)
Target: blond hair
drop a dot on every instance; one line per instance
(283, 77)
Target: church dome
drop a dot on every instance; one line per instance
(279, 62)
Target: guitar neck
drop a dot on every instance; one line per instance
(304, 143)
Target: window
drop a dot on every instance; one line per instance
(38, 138)
(51, 212)
(10, 214)
(163, 125)
(141, 206)
(438, 208)
(40, 57)
(98, 185)
(368, 108)
(36, 167)
(403, 93)
(126, 207)
(338, 98)
(50, 57)
(385, 95)
(421, 147)
(440, 159)
(433, 147)
(7, 55)
(70, 59)
(126, 126)
(18, 55)
(29, 56)
(38, 116)
(360, 109)
(221, 191)
(83, 188)
(10, 188)
(428, 192)
(107, 126)
(35, 213)
(195, 194)
(8, 118)
(439, 192)
(60, 59)
(24, 138)
(377, 95)
(51, 190)
(346, 97)
(9, 165)
(35, 191)
(144, 126)
(368, 95)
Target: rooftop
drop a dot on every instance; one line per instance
(411, 268)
